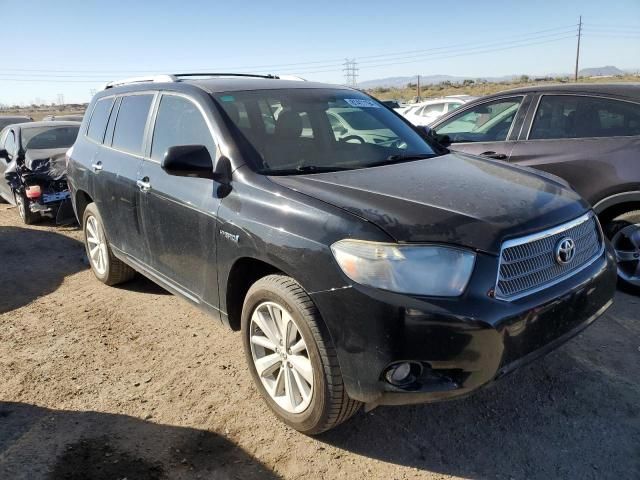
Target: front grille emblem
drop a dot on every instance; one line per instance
(565, 250)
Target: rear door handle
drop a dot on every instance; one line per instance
(497, 156)
(143, 185)
(97, 167)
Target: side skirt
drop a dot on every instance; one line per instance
(164, 282)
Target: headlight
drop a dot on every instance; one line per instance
(413, 269)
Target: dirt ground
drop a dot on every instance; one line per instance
(105, 383)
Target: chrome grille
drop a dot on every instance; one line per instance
(528, 264)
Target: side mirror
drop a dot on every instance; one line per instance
(188, 161)
(425, 131)
(4, 154)
(195, 161)
(443, 140)
(430, 134)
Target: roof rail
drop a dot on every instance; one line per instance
(250, 75)
(175, 77)
(292, 77)
(151, 78)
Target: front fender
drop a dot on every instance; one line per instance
(290, 231)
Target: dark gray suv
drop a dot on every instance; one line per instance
(588, 134)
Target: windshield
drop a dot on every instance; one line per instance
(305, 130)
(49, 137)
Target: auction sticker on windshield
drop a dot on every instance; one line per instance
(362, 103)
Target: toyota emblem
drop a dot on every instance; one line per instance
(565, 250)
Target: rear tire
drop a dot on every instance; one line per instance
(27, 216)
(104, 264)
(327, 403)
(624, 233)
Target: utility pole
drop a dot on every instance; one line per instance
(575, 77)
(418, 87)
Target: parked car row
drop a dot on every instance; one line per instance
(427, 112)
(363, 261)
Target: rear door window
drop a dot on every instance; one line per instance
(573, 116)
(128, 134)
(434, 109)
(99, 118)
(179, 122)
(486, 122)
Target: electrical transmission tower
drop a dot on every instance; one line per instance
(351, 71)
(60, 99)
(92, 92)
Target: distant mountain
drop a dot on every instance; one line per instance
(399, 82)
(600, 71)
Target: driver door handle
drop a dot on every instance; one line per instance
(492, 154)
(97, 167)
(143, 185)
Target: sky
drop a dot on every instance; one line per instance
(64, 50)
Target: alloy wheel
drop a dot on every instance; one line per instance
(21, 208)
(626, 243)
(281, 357)
(96, 245)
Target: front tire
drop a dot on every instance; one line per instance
(291, 357)
(104, 264)
(624, 233)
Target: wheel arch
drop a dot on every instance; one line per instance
(244, 272)
(82, 199)
(610, 207)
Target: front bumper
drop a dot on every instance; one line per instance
(461, 343)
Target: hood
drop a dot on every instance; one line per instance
(456, 198)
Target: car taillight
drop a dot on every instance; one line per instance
(34, 191)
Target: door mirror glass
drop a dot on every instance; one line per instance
(188, 161)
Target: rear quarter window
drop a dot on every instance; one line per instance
(575, 116)
(99, 118)
(128, 134)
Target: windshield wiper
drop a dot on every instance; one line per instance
(402, 158)
(316, 168)
(305, 169)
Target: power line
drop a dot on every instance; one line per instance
(443, 56)
(480, 46)
(433, 56)
(304, 65)
(616, 27)
(351, 67)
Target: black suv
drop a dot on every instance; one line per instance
(588, 134)
(372, 268)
